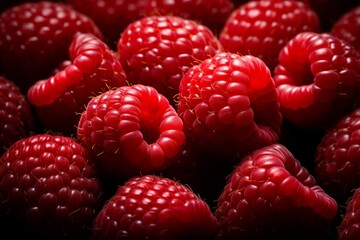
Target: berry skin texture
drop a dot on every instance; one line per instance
(131, 130)
(229, 105)
(337, 158)
(348, 27)
(34, 37)
(268, 194)
(318, 79)
(349, 225)
(262, 28)
(49, 184)
(151, 207)
(16, 119)
(158, 50)
(93, 68)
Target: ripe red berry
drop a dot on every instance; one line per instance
(16, 117)
(229, 105)
(338, 158)
(349, 226)
(48, 184)
(318, 79)
(34, 38)
(270, 194)
(151, 207)
(93, 68)
(158, 50)
(262, 28)
(347, 27)
(131, 130)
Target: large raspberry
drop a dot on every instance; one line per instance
(34, 38)
(262, 28)
(132, 130)
(349, 228)
(151, 207)
(229, 105)
(318, 79)
(347, 27)
(16, 117)
(270, 194)
(93, 68)
(49, 186)
(338, 158)
(158, 50)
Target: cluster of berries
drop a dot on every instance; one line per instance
(153, 119)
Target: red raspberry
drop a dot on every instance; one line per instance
(48, 183)
(158, 50)
(349, 226)
(111, 16)
(211, 13)
(131, 130)
(16, 118)
(151, 207)
(270, 194)
(338, 158)
(262, 28)
(347, 27)
(34, 37)
(229, 105)
(318, 79)
(93, 68)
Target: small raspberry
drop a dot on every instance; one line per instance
(270, 194)
(16, 118)
(34, 37)
(318, 79)
(347, 27)
(93, 68)
(229, 105)
(262, 28)
(158, 50)
(48, 184)
(131, 130)
(349, 228)
(151, 207)
(338, 158)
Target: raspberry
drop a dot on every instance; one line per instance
(211, 13)
(16, 118)
(111, 16)
(229, 105)
(349, 225)
(317, 79)
(93, 68)
(151, 207)
(337, 158)
(158, 50)
(48, 183)
(34, 37)
(348, 27)
(262, 28)
(131, 129)
(268, 194)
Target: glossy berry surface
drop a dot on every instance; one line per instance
(16, 118)
(158, 50)
(229, 105)
(131, 130)
(92, 68)
(262, 28)
(269, 193)
(318, 79)
(349, 226)
(151, 207)
(48, 184)
(34, 37)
